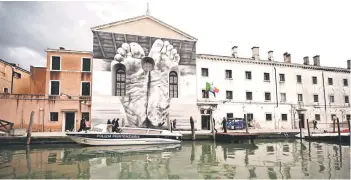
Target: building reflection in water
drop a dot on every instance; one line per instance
(193, 160)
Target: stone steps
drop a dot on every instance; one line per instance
(181, 109)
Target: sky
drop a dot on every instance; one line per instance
(300, 27)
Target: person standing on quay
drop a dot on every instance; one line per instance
(224, 124)
(314, 124)
(174, 124)
(82, 125)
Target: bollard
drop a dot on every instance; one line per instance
(300, 129)
(29, 130)
(348, 122)
(338, 124)
(308, 129)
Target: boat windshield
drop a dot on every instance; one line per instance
(140, 131)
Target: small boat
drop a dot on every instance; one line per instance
(100, 136)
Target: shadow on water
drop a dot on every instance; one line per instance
(193, 160)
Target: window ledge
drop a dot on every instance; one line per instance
(228, 78)
(266, 80)
(55, 70)
(281, 81)
(86, 71)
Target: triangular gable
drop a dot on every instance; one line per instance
(145, 25)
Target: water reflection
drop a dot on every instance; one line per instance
(193, 160)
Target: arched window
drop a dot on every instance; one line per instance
(120, 82)
(173, 85)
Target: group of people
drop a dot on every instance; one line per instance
(114, 125)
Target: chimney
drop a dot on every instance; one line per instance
(316, 60)
(270, 56)
(235, 51)
(61, 48)
(348, 64)
(287, 57)
(255, 53)
(306, 60)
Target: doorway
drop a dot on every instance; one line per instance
(70, 118)
(302, 118)
(205, 122)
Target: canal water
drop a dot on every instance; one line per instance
(192, 160)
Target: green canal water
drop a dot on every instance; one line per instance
(193, 160)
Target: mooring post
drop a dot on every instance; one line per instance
(300, 129)
(333, 125)
(338, 124)
(308, 129)
(348, 122)
(29, 130)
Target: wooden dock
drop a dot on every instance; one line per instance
(235, 136)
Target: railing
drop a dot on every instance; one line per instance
(6, 126)
(43, 97)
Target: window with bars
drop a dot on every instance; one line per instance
(228, 74)
(205, 94)
(248, 75)
(281, 77)
(173, 85)
(120, 82)
(266, 77)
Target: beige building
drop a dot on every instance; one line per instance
(13, 79)
(59, 93)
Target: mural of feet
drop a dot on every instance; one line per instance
(135, 99)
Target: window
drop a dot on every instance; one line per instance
(330, 81)
(6, 90)
(267, 96)
(282, 77)
(55, 63)
(249, 117)
(331, 98)
(314, 80)
(317, 117)
(120, 82)
(85, 89)
(228, 74)
(268, 117)
(346, 82)
(299, 97)
(205, 94)
(248, 75)
(54, 88)
(204, 72)
(173, 85)
(282, 97)
(284, 117)
(85, 115)
(315, 98)
(298, 79)
(332, 116)
(249, 96)
(347, 117)
(53, 116)
(347, 99)
(86, 67)
(230, 116)
(266, 77)
(17, 75)
(229, 94)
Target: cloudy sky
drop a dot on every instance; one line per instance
(300, 27)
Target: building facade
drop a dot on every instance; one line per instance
(145, 68)
(13, 79)
(60, 93)
(273, 94)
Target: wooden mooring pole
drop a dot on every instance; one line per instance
(29, 130)
(348, 122)
(300, 129)
(308, 129)
(338, 124)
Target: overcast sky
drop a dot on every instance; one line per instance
(300, 27)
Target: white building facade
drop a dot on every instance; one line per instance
(272, 94)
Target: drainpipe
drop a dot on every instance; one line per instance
(276, 86)
(325, 101)
(13, 70)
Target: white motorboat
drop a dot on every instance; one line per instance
(100, 136)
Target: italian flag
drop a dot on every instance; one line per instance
(211, 88)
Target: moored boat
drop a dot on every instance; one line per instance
(99, 136)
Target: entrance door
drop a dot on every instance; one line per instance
(205, 122)
(302, 118)
(69, 121)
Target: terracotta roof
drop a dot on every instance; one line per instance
(96, 28)
(14, 65)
